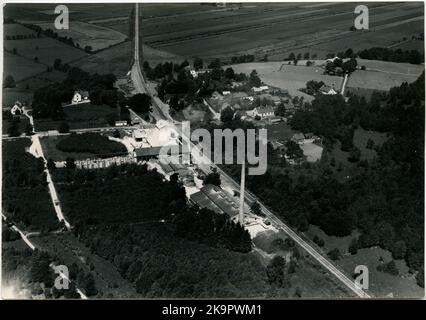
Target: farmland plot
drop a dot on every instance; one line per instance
(289, 77)
(86, 34)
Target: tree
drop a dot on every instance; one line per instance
(291, 56)
(57, 63)
(254, 79)
(334, 254)
(140, 103)
(399, 250)
(51, 164)
(306, 56)
(70, 163)
(13, 129)
(354, 155)
(256, 209)
(389, 267)
(353, 246)
(9, 82)
(198, 63)
(293, 150)
(276, 271)
(227, 115)
(212, 178)
(280, 110)
(64, 127)
(28, 129)
(36, 59)
(229, 73)
(14, 51)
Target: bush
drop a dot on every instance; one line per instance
(389, 267)
(334, 254)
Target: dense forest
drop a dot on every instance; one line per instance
(134, 194)
(162, 264)
(25, 195)
(385, 200)
(144, 225)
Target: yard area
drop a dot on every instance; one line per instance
(78, 117)
(289, 77)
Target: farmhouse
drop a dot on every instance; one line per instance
(262, 112)
(327, 90)
(120, 123)
(80, 97)
(16, 109)
(260, 89)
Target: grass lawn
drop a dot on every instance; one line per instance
(51, 151)
(78, 117)
(92, 145)
(383, 75)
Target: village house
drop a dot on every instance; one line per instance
(16, 109)
(327, 90)
(80, 96)
(262, 112)
(261, 89)
(120, 123)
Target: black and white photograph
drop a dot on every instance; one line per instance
(212, 150)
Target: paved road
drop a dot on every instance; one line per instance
(205, 165)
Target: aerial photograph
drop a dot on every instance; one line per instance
(213, 150)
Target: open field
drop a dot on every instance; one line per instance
(86, 34)
(11, 95)
(114, 60)
(45, 49)
(268, 28)
(381, 284)
(277, 29)
(289, 77)
(19, 67)
(383, 75)
(14, 29)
